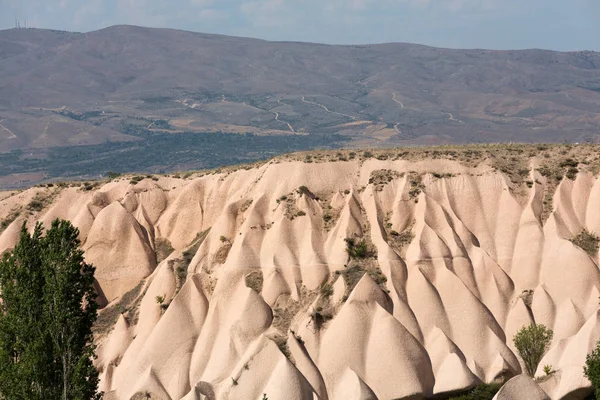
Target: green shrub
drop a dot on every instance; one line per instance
(532, 342)
(485, 391)
(35, 205)
(326, 290)
(136, 179)
(357, 250)
(572, 173)
(569, 162)
(592, 369)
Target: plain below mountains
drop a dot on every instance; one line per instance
(138, 99)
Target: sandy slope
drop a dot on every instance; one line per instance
(441, 318)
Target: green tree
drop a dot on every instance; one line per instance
(48, 308)
(532, 342)
(25, 352)
(592, 369)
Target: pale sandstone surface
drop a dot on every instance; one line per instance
(243, 318)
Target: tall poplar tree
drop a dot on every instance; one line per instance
(46, 317)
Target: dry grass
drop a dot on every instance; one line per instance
(163, 249)
(353, 274)
(587, 241)
(381, 177)
(289, 201)
(221, 254)
(42, 199)
(284, 313)
(128, 305)
(143, 396)
(399, 240)
(527, 297)
(246, 205)
(10, 218)
(254, 280)
(190, 252)
(512, 159)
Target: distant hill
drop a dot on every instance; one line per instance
(123, 83)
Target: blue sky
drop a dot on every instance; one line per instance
(495, 24)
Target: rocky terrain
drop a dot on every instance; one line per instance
(381, 274)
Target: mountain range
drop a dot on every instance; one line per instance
(67, 99)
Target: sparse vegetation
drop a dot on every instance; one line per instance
(254, 280)
(221, 254)
(572, 173)
(319, 317)
(246, 205)
(592, 369)
(41, 200)
(326, 289)
(527, 297)
(358, 249)
(416, 185)
(399, 240)
(532, 342)
(587, 241)
(352, 275)
(442, 176)
(485, 391)
(35, 205)
(190, 252)
(380, 178)
(291, 210)
(128, 303)
(303, 190)
(136, 179)
(9, 219)
(162, 248)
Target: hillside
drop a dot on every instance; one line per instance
(131, 89)
(253, 280)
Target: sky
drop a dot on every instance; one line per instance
(564, 25)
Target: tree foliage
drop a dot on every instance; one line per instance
(592, 369)
(532, 342)
(46, 316)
